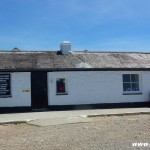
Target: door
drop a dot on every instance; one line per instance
(39, 90)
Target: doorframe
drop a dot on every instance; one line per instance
(45, 103)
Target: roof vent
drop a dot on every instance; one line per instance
(16, 49)
(65, 47)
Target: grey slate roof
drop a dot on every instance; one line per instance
(75, 60)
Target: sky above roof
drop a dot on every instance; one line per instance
(99, 25)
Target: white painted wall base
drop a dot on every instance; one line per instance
(20, 89)
(83, 87)
(92, 87)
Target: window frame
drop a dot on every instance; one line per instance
(66, 87)
(139, 84)
(7, 96)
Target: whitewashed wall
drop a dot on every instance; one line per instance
(91, 87)
(20, 81)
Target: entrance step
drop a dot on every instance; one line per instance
(40, 110)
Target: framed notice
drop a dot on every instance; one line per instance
(5, 85)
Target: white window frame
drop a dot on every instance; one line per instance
(66, 87)
(140, 81)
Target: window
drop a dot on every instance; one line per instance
(5, 85)
(131, 83)
(60, 86)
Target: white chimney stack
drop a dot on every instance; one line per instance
(65, 47)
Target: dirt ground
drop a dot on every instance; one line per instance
(111, 132)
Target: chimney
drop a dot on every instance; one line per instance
(16, 50)
(65, 47)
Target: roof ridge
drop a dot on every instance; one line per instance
(83, 52)
(109, 52)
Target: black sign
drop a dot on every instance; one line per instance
(5, 85)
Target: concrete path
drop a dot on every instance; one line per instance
(58, 121)
(63, 117)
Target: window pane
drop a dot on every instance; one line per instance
(127, 87)
(134, 78)
(126, 77)
(135, 86)
(60, 85)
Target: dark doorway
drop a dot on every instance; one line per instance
(39, 90)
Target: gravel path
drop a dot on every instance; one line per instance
(114, 132)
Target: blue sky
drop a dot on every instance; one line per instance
(99, 25)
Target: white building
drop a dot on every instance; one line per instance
(34, 80)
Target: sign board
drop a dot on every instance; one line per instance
(26, 90)
(5, 89)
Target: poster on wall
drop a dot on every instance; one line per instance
(5, 84)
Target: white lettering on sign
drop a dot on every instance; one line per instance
(5, 89)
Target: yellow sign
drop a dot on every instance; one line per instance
(26, 90)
